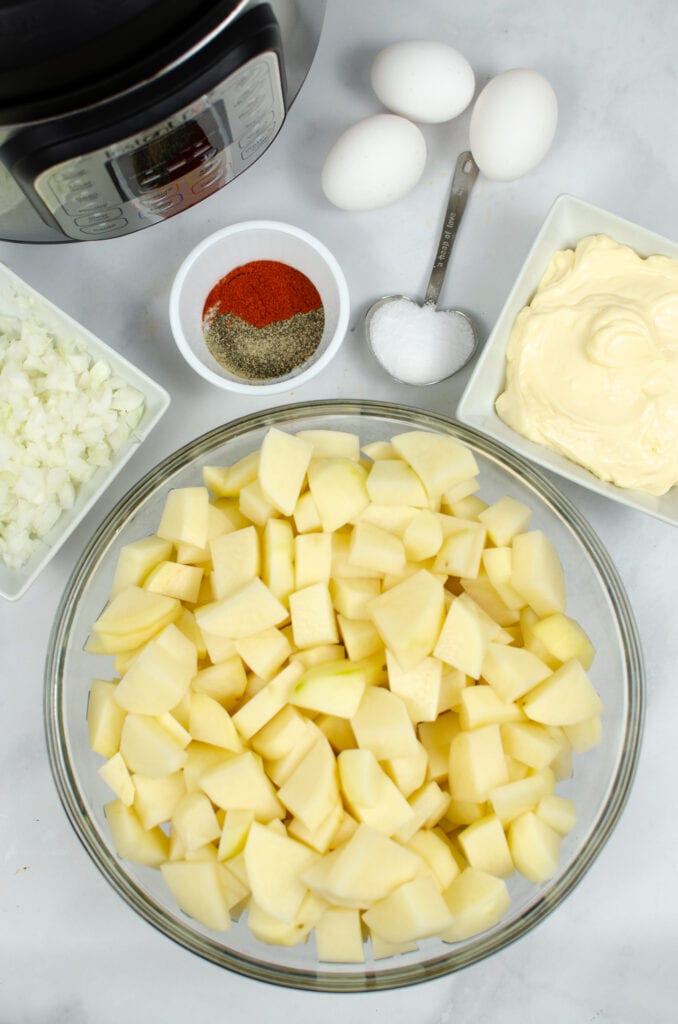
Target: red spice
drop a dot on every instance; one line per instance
(262, 292)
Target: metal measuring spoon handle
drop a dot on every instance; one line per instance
(465, 174)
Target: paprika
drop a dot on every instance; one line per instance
(263, 320)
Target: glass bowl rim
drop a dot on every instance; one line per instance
(482, 946)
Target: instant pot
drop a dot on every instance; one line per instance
(114, 116)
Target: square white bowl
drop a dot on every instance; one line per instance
(19, 299)
(567, 222)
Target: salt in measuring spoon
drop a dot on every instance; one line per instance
(446, 337)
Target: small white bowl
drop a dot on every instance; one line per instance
(231, 247)
(567, 222)
(19, 299)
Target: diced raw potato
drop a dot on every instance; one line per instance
(477, 764)
(275, 864)
(115, 774)
(320, 838)
(451, 617)
(534, 846)
(312, 791)
(582, 736)
(305, 514)
(513, 798)
(334, 687)
(498, 564)
(462, 547)
(254, 505)
(558, 812)
(381, 724)
(329, 444)
(200, 757)
(392, 518)
(148, 748)
(477, 901)
(367, 867)
(408, 617)
(136, 560)
(371, 796)
(512, 671)
(462, 641)
(249, 610)
(537, 573)
(435, 851)
(240, 783)
(312, 559)
(228, 481)
(504, 519)
(423, 536)
(175, 580)
(338, 936)
(132, 617)
(530, 743)
(280, 735)
(436, 738)
(457, 492)
(159, 676)
(196, 886)
(480, 705)
(564, 638)
(225, 681)
(485, 846)
(379, 450)
(338, 489)
(278, 558)
(409, 772)
(439, 461)
(105, 718)
(351, 597)
(211, 723)
(260, 709)
(155, 799)
(283, 462)
(428, 805)
(234, 832)
(415, 910)
(131, 840)
(184, 517)
(566, 697)
(393, 482)
(372, 548)
(312, 615)
(235, 559)
(419, 687)
(195, 821)
(359, 637)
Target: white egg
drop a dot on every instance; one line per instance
(423, 80)
(513, 123)
(373, 163)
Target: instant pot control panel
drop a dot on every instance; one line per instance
(170, 165)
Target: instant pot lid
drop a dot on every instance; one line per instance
(60, 57)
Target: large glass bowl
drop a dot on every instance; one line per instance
(601, 780)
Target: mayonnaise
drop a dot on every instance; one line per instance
(592, 364)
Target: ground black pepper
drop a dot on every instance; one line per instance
(264, 353)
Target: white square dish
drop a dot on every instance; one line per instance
(18, 299)
(567, 222)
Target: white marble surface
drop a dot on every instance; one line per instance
(70, 951)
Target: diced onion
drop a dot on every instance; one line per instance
(63, 414)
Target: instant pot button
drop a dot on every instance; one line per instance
(104, 226)
(101, 217)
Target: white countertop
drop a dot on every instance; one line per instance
(70, 950)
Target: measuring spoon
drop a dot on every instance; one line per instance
(455, 333)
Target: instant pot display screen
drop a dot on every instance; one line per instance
(170, 157)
